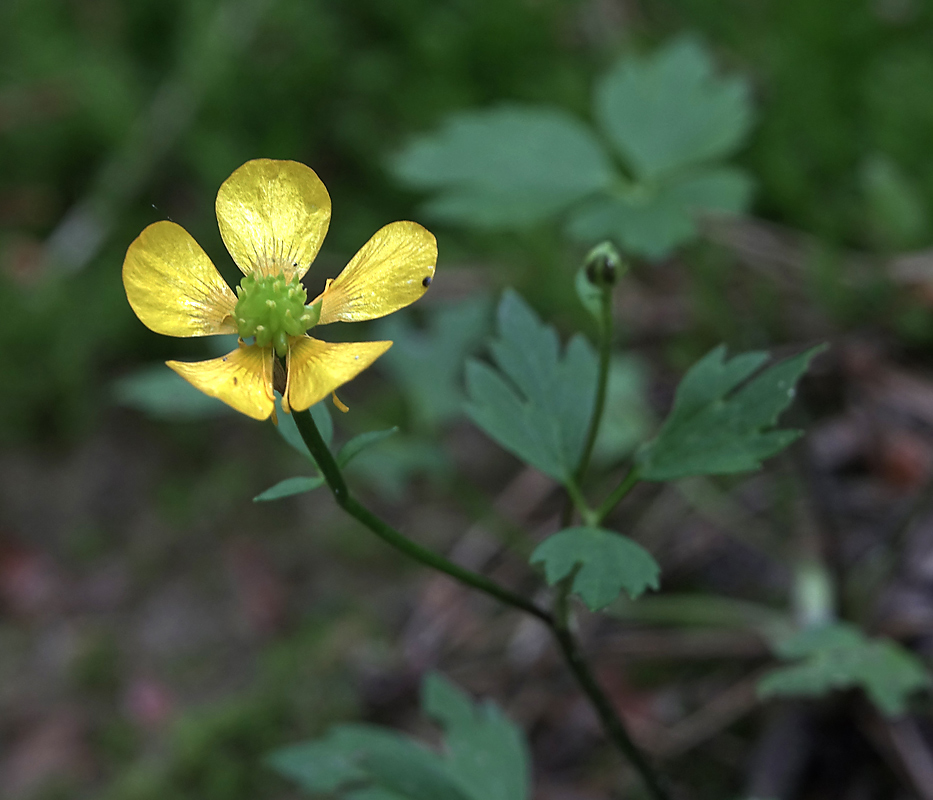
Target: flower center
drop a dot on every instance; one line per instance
(272, 309)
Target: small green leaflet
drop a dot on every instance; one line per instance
(718, 426)
(359, 443)
(669, 111)
(506, 166)
(840, 656)
(484, 758)
(538, 404)
(603, 564)
(290, 487)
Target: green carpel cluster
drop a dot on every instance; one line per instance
(272, 309)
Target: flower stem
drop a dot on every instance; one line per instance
(602, 382)
(338, 486)
(574, 497)
(612, 723)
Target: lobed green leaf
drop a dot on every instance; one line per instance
(669, 111)
(839, 656)
(290, 487)
(506, 166)
(485, 756)
(537, 405)
(603, 564)
(486, 753)
(718, 427)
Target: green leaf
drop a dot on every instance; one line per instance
(358, 444)
(486, 753)
(351, 755)
(538, 405)
(603, 564)
(162, 394)
(716, 428)
(319, 766)
(485, 756)
(652, 220)
(427, 363)
(506, 166)
(839, 656)
(669, 111)
(289, 487)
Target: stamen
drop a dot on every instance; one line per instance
(337, 402)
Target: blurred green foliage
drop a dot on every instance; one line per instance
(667, 116)
(484, 757)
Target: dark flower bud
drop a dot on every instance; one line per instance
(604, 265)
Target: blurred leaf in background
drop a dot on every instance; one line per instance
(427, 363)
(670, 121)
(840, 656)
(484, 758)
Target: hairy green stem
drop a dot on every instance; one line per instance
(612, 723)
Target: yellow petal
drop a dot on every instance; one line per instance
(391, 271)
(315, 368)
(172, 285)
(242, 379)
(273, 216)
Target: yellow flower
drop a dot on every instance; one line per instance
(273, 216)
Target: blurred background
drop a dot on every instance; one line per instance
(160, 632)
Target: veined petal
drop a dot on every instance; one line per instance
(172, 285)
(391, 271)
(273, 216)
(315, 368)
(242, 379)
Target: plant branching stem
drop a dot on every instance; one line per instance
(612, 723)
(628, 483)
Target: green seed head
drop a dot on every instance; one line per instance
(272, 309)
